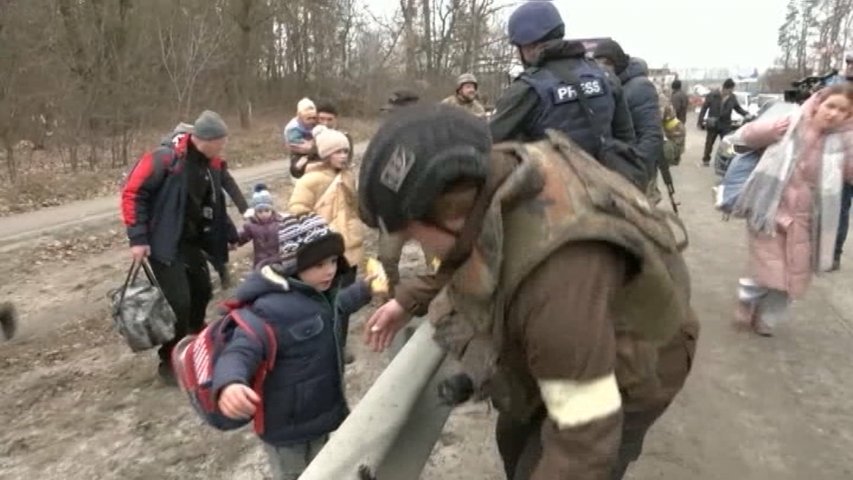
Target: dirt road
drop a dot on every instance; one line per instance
(75, 404)
(92, 215)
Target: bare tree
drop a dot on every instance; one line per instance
(84, 78)
(787, 39)
(189, 40)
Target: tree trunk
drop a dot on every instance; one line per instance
(427, 40)
(411, 42)
(244, 64)
(11, 162)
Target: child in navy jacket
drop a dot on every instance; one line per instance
(304, 392)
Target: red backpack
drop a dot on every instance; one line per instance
(195, 356)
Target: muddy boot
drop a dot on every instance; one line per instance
(8, 320)
(167, 375)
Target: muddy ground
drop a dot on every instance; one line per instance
(76, 404)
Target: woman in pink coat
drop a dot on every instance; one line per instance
(789, 202)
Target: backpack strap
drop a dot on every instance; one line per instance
(330, 189)
(258, 328)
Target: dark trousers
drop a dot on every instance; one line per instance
(186, 285)
(844, 222)
(520, 444)
(711, 136)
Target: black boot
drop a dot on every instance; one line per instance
(167, 375)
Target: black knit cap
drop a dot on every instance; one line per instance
(306, 240)
(415, 156)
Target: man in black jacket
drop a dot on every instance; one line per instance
(542, 97)
(719, 105)
(174, 210)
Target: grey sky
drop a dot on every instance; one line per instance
(683, 33)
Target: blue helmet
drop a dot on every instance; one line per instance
(533, 21)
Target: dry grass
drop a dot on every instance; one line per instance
(46, 180)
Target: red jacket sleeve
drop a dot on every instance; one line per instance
(142, 183)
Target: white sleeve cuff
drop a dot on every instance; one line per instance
(571, 403)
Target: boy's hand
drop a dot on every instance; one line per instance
(384, 324)
(237, 401)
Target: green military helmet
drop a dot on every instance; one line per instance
(466, 78)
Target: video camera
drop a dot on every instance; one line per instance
(805, 87)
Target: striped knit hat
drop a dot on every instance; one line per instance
(307, 240)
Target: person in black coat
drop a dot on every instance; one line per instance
(173, 206)
(680, 101)
(719, 105)
(642, 99)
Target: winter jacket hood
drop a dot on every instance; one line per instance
(637, 67)
(273, 279)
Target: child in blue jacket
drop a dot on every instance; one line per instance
(303, 394)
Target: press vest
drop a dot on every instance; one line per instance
(560, 109)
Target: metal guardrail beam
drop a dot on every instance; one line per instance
(391, 432)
